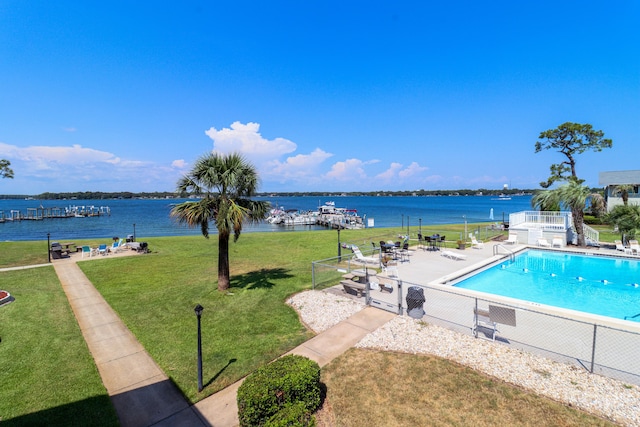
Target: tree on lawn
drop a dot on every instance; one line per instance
(225, 183)
(626, 218)
(5, 170)
(571, 139)
(623, 191)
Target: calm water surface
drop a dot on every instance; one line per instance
(151, 216)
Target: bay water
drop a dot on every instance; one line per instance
(150, 217)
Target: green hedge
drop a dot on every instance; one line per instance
(289, 382)
(294, 415)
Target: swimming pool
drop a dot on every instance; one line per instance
(606, 286)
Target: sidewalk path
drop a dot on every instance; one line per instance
(140, 391)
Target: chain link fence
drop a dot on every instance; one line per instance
(597, 348)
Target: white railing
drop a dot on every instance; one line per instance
(551, 221)
(557, 221)
(590, 234)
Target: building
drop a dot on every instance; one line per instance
(611, 180)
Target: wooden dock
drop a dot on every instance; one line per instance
(41, 213)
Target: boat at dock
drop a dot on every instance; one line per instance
(331, 216)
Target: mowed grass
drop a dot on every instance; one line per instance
(373, 388)
(47, 375)
(155, 294)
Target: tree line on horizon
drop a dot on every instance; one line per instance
(99, 195)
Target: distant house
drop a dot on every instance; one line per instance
(611, 180)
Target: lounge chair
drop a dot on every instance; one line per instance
(557, 242)
(544, 243)
(496, 314)
(475, 243)
(512, 240)
(634, 247)
(102, 249)
(374, 260)
(453, 255)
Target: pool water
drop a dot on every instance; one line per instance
(593, 284)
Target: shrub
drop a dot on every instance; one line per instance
(294, 415)
(286, 381)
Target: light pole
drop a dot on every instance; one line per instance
(420, 225)
(134, 231)
(339, 245)
(49, 246)
(198, 309)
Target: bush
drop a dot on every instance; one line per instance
(294, 415)
(289, 380)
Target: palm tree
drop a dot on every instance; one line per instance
(626, 218)
(623, 190)
(598, 205)
(573, 195)
(225, 183)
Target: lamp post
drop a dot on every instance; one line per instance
(408, 226)
(134, 231)
(198, 309)
(420, 225)
(339, 246)
(49, 246)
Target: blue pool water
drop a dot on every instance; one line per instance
(593, 284)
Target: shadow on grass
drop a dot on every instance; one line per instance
(215, 377)
(96, 411)
(261, 279)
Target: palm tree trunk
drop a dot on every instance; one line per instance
(578, 222)
(223, 261)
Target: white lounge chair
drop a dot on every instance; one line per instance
(364, 259)
(544, 243)
(475, 243)
(557, 242)
(512, 240)
(453, 255)
(496, 314)
(635, 248)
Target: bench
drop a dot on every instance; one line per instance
(352, 287)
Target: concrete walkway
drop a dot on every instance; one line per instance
(140, 391)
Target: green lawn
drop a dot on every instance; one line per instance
(155, 294)
(48, 376)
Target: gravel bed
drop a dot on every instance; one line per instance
(566, 383)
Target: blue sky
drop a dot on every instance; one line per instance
(319, 95)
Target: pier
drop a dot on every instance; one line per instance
(41, 213)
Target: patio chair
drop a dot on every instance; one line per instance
(494, 316)
(87, 250)
(557, 242)
(512, 240)
(475, 243)
(404, 253)
(102, 249)
(635, 248)
(453, 255)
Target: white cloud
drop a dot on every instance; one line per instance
(247, 140)
(299, 165)
(179, 164)
(75, 168)
(349, 170)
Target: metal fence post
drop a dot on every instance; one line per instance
(593, 347)
(400, 297)
(313, 276)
